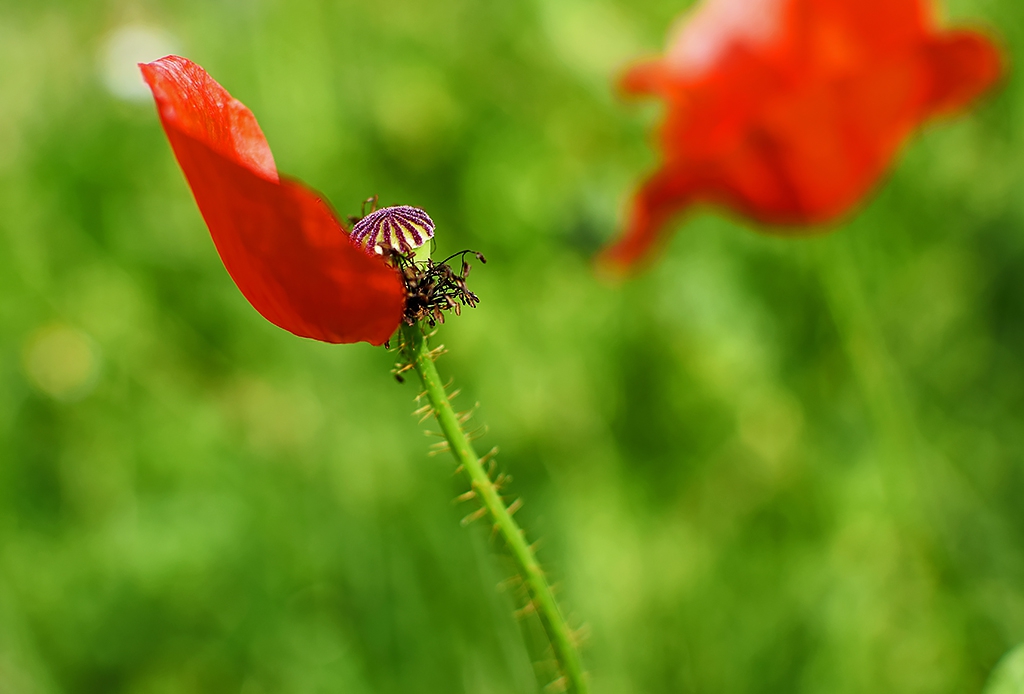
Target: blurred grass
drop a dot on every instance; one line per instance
(764, 465)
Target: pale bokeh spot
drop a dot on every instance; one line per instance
(771, 423)
(62, 362)
(594, 38)
(124, 49)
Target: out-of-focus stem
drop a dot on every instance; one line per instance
(541, 597)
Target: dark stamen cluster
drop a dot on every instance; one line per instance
(433, 288)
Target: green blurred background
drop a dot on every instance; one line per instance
(764, 465)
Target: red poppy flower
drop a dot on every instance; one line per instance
(788, 111)
(279, 241)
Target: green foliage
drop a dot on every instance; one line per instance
(1008, 677)
(764, 465)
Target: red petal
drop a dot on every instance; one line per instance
(964, 64)
(280, 243)
(643, 78)
(664, 195)
(789, 111)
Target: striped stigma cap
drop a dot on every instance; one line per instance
(400, 228)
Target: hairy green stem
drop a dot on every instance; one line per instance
(541, 597)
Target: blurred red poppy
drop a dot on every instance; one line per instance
(279, 241)
(788, 111)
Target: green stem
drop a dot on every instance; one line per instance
(542, 599)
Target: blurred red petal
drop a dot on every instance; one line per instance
(965, 64)
(278, 240)
(645, 78)
(789, 111)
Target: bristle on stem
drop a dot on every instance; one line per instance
(482, 474)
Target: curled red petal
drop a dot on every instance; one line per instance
(278, 240)
(664, 195)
